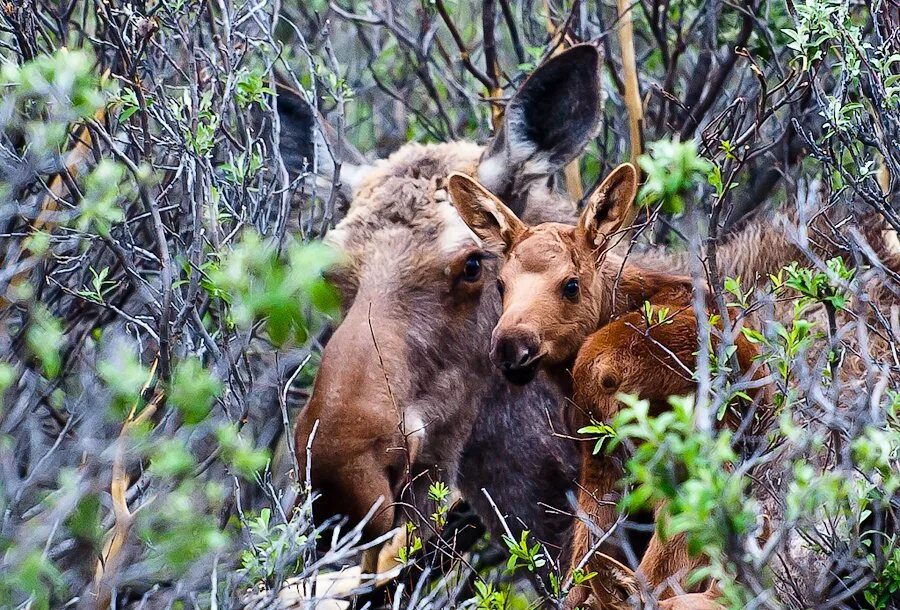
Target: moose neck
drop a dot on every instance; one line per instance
(507, 449)
(560, 375)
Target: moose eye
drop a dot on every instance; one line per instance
(472, 268)
(570, 288)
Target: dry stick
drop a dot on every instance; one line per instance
(57, 189)
(464, 54)
(370, 557)
(152, 206)
(510, 19)
(539, 582)
(111, 559)
(495, 92)
(632, 90)
(338, 155)
(285, 420)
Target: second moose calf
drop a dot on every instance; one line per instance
(653, 361)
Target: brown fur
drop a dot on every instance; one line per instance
(624, 592)
(405, 393)
(537, 319)
(653, 362)
(544, 326)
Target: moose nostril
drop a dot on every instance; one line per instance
(524, 355)
(514, 352)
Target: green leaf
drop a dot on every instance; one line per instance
(171, 459)
(124, 375)
(85, 521)
(239, 452)
(193, 391)
(44, 338)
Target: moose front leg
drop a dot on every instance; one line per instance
(597, 497)
(667, 563)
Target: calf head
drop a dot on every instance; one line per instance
(550, 284)
(405, 377)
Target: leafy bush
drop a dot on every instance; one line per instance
(162, 300)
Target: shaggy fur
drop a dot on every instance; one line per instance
(405, 386)
(405, 393)
(652, 362)
(432, 333)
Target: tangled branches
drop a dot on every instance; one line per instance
(160, 210)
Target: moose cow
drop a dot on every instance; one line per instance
(405, 392)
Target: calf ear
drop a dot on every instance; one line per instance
(307, 142)
(608, 205)
(618, 580)
(486, 215)
(547, 123)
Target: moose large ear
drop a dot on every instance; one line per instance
(486, 215)
(548, 122)
(608, 205)
(307, 142)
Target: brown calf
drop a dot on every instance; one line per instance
(654, 362)
(557, 283)
(558, 288)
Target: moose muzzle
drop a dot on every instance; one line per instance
(516, 351)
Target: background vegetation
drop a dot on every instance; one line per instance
(157, 242)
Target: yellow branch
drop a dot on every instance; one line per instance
(112, 556)
(884, 176)
(632, 90)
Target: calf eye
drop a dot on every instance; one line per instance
(472, 268)
(570, 288)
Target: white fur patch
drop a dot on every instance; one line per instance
(454, 233)
(524, 154)
(352, 176)
(335, 238)
(520, 147)
(891, 241)
(519, 155)
(414, 426)
(492, 171)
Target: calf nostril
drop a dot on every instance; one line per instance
(514, 354)
(510, 353)
(524, 355)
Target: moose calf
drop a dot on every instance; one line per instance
(573, 310)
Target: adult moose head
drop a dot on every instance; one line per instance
(405, 393)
